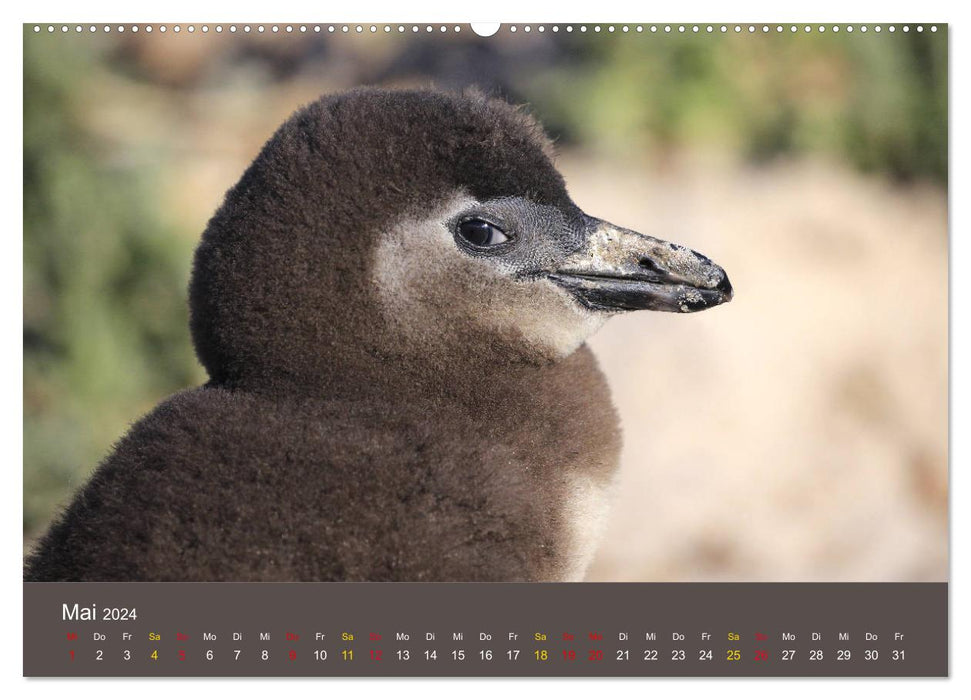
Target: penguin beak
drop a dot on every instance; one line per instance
(621, 270)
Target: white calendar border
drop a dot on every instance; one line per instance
(828, 11)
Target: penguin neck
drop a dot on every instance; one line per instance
(465, 383)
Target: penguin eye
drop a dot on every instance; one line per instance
(481, 233)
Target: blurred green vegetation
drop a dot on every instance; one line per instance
(105, 271)
(105, 323)
(877, 100)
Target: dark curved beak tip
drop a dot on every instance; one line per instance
(700, 298)
(725, 287)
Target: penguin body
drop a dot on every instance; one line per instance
(391, 305)
(226, 485)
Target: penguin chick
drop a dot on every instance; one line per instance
(392, 305)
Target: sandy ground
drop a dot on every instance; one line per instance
(800, 432)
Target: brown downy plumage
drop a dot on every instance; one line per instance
(391, 305)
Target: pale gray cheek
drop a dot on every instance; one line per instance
(413, 254)
(428, 288)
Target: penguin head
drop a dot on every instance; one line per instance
(415, 226)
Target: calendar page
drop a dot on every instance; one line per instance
(485, 350)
